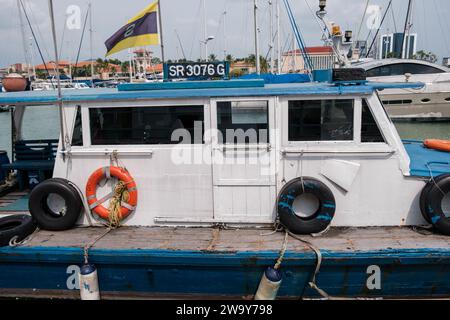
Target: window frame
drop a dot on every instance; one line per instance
(216, 105)
(271, 121)
(85, 114)
(355, 146)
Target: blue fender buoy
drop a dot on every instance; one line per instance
(269, 285)
(89, 288)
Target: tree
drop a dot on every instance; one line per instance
(41, 74)
(229, 58)
(251, 59)
(212, 57)
(425, 56)
(156, 60)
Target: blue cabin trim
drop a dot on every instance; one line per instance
(234, 88)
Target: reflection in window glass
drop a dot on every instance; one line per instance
(370, 132)
(243, 121)
(145, 125)
(77, 138)
(321, 120)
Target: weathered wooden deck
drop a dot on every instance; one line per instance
(240, 240)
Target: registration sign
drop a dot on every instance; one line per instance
(197, 70)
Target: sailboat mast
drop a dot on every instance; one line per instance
(405, 35)
(278, 38)
(258, 62)
(205, 30)
(58, 79)
(161, 38)
(92, 44)
(272, 47)
(24, 40)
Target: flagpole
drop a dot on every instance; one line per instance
(163, 58)
(58, 80)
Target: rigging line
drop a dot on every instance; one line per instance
(39, 33)
(314, 15)
(194, 34)
(285, 48)
(299, 37)
(181, 44)
(379, 28)
(62, 41)
(219, 26)
(36, 42)
(406, 27)
(81, 43)
(362, 20)
(393, 19)
(441, 25)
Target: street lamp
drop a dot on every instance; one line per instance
(205, 42)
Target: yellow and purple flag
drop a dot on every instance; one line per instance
(142, 30)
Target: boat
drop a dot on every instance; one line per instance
(198, 174)
(14, 82)
(430, 103)
(65, 85)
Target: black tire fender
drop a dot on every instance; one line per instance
(433, 205)
(51, 221)
(424, 194)
(20, 226)
(316, 223)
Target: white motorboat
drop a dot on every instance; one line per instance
(432, 102)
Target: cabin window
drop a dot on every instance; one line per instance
(370, 132)
(400, 69)
(321, 120)
(77, 137)
(243, 122)
(147, 125)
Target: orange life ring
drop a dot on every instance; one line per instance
(96, 204)
(441, 145)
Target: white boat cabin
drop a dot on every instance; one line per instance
(241, 143)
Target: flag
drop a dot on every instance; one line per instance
(142, 30)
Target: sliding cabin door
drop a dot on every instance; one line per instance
(243, 160)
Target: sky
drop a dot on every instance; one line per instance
(183, 26)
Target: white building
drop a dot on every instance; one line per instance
(322, 58)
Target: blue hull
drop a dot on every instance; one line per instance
(29, 271)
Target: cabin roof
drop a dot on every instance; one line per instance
(217, 91)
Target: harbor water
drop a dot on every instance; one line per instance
(38, 123)
(43, 123)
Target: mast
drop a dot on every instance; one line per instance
(225, 33)
(58, 80)
(408, 14)
(205, 30)
(24, 40)
(272, 47)
(278, 38)
(161, 38)
(258, 62)
(92, 44)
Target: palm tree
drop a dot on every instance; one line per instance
(212, 57)
(229, 58)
